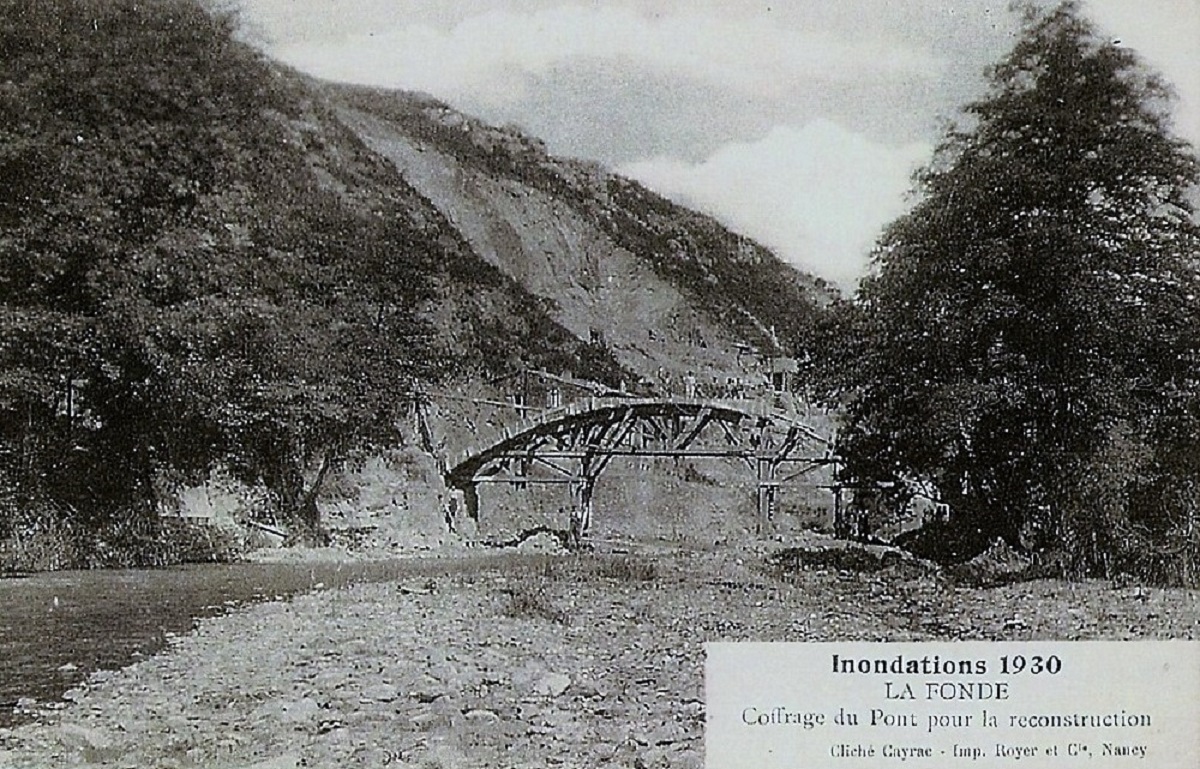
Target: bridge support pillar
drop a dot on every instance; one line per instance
(591, 464)
(470, 494)
(841, 521)
(767, 488)
(581, 508)
(520, 470)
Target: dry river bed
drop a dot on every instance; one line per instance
(580, 661)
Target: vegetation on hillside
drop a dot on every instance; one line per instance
(739, 283)
(1028, 351)
(199, 267)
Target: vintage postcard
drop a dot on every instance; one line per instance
(529, 383)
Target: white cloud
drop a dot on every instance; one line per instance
(485, 55)
(818, 195)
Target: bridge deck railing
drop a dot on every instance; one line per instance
(529, 419)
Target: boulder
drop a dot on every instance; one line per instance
(552, 684)
(381, 692)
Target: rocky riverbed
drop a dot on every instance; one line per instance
(573, 661)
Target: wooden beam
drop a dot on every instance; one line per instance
(702, 420)
(514, 480)
(542, 460)
(635, 452)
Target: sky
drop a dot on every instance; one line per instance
(796, 122)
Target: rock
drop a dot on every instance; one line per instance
(279, 762)
(589, 688)
(543, 542)
(653, 758)
(482, 715)
(429, 720)
(687, 759)
(328, 725)
(664, 735)
(300, 712)
(552, 685)
(428, 690)
(604, 751)
(447, 755)
(381, 692)
(176, 722)
(80, 736)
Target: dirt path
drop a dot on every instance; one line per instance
(582, 662)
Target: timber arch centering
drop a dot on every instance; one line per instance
(573, 444)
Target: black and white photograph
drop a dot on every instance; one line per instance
(445, 383)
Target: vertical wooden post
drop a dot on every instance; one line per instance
(521, 471)
(766, 494)
(840, 528)
(471, 501)
(581, 509)
(582, 487)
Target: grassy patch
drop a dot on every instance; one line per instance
(532, 602)
(596, 567)
(531, 598)
(626, 570)
(834, 559)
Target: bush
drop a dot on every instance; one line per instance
(49, 546)
(41, 538)
(1000, 564)
(945, 543)
(192, 542)
(1125, 514)
(850, 557)
(150, 541)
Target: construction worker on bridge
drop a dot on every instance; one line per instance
(689, 385)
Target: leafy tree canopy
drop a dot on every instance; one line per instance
(1028, 347)
(189, 271)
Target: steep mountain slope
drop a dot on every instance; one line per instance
(665, 287)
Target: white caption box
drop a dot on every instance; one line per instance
(953, 705)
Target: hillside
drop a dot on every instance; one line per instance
(210, 262)
(664, 289)
(663, 285)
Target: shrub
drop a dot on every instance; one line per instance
(47, 547)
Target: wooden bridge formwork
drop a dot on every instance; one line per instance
(573, 445)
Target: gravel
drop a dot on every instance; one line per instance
(582, 661)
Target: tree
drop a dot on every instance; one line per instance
(1033, 322)
(179, 288)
